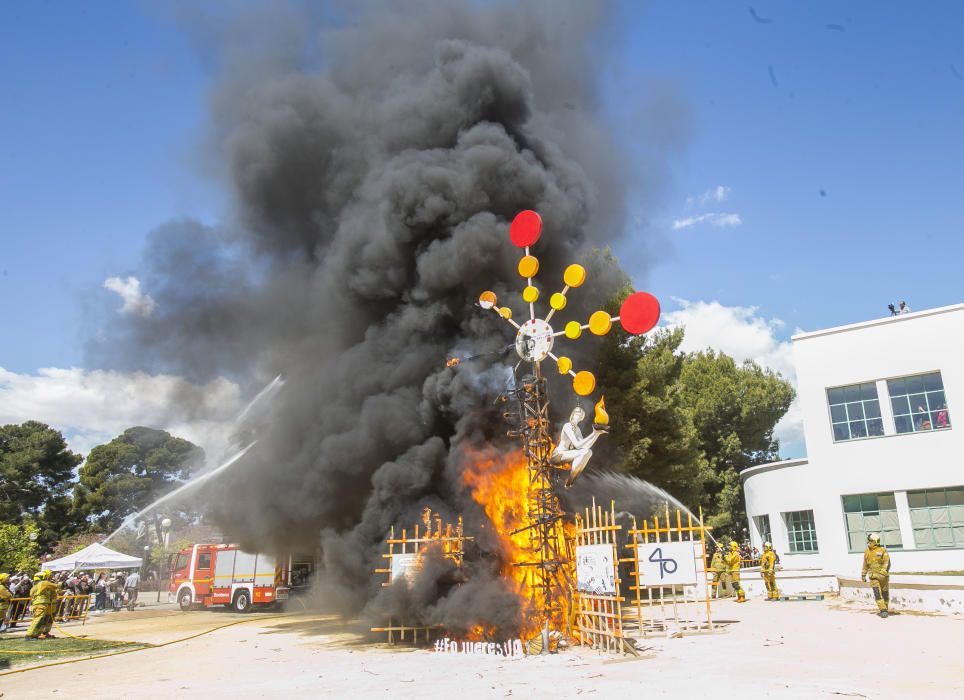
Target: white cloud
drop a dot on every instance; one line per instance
(129, 290)
(92, 407)
(742, 333)
(711, 218)
(716, 194)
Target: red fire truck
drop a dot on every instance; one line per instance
(223, 574)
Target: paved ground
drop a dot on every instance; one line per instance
(777, 650)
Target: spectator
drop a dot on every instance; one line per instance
(940, 419)
(70, 591)
(119, 582)
(923, 420)
(100, 592)
(130, 588)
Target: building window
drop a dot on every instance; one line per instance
(919, 403)
(763, 527)
(855, 412)
(871, 512)
(800, 531)
(937, 516)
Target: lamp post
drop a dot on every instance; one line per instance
(165, 541)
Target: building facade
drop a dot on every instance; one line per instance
(879, 401)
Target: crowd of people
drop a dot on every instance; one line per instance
(58, 597)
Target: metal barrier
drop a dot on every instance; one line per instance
(17, 610)
(73, 607)
(69, 607)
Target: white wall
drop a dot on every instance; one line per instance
(868, 352)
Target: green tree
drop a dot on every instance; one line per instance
(652, 434)
(688, 422)
(36, 475)
(734, 409)
(74, 543)
(130, 472)
(18, 550)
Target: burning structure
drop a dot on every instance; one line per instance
(373, 174)
(548, 564)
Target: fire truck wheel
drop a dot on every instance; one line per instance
(242, 602)
(184, 600)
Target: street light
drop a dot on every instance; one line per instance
(165, 542)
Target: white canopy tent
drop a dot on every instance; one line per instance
(95, 556)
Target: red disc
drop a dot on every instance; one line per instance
(526, 228)
(639, 313)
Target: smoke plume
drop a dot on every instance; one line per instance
(374, 165)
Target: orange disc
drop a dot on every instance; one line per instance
(584, 383)
(529, 266)
(487, 300)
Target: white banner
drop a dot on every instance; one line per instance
(405, 566)
(595, 569)
(667, 564)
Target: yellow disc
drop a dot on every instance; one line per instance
(505, 312)
(564, 364)
(600, 323)
(557, 301)
(573, 330)
(530, 294)
(583, 383)
(529, 266)
(574, 275)
(487, 300)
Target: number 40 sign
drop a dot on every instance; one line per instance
(667, 563)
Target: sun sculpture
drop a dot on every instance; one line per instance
(550, 550)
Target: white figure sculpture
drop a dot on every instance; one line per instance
(572, 447)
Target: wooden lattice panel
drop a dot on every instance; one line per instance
(431, 532)
(663, 607)
(598, 616)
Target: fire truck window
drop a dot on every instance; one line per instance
(204, 561)
(180, 562)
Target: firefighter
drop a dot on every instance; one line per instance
(877, 568)
(717, 567)
(733, 561)
(5, 596)
(43, 602)
(768, 563)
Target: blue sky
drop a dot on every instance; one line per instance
(827, 136)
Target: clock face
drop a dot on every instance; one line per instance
(533, 342)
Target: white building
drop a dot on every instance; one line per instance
(879, 402)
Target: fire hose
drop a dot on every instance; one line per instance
(120, 641)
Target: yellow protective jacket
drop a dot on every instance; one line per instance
(732, 560)
(43, 595)
(876, 562)
(768, 562)
(716, 564)
(5, 596)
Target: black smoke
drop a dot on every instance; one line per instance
(374, 163)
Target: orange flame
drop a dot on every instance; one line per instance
(500, 484)
(454, 361)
